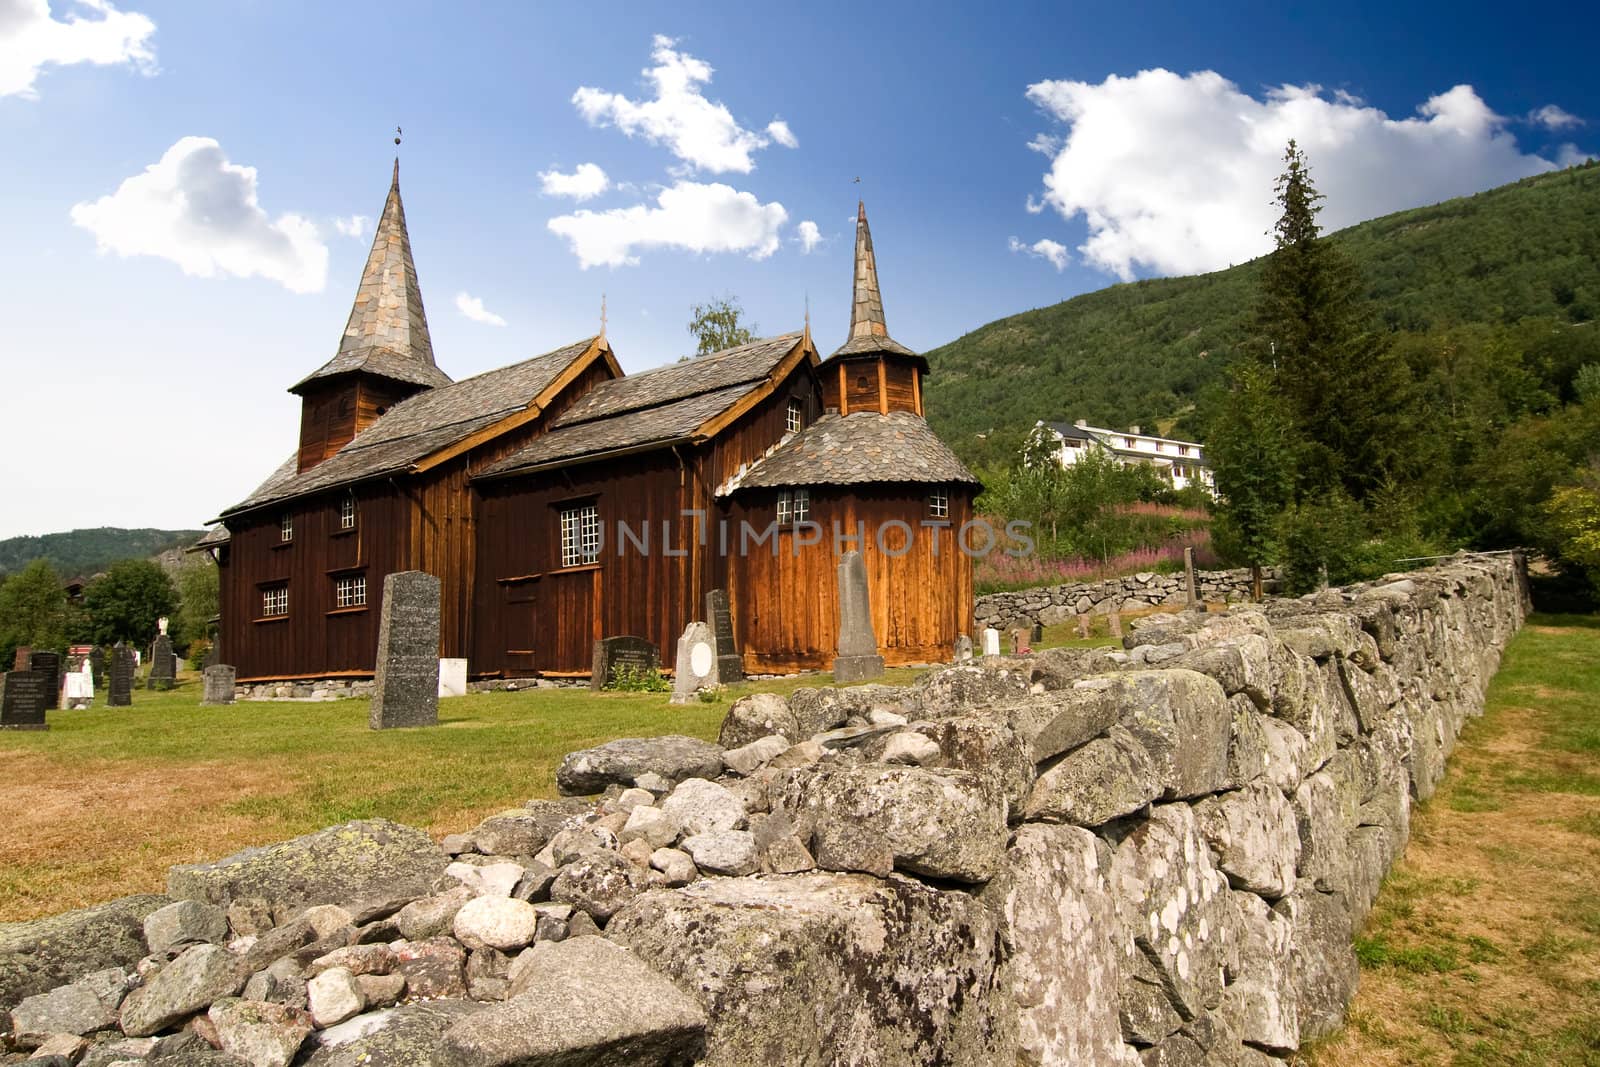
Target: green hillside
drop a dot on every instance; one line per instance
(1142, 352)
(84, 552)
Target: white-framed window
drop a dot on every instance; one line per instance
(274, 601)
(286, 527)
(580, 535)
(939, 504)
(350, 591)
(347, 512)
(794, 506)
(792, 425)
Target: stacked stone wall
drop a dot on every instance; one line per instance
(1157, 854)
(1048, 605)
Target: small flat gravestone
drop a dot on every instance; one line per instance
(730, 665)
(219, 684)
(48, 664)
(991, 641)
(452, 677)
(23, 701)
(697, 663)
(613, 652)
(858, 659)
(120, 692)
(406, 689)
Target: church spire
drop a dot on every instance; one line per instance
(387, 333)
(866, 311)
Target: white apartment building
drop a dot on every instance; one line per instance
(1181, 462)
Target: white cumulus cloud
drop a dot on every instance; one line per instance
(808, 235)
(703, 133)
(688, 215)
(30, 40)
(1044, 248)
(1173, 173)
(353, 226)
(1552, 117)
(472, 307)
(585, 183)
(200, 211)
(780, 132)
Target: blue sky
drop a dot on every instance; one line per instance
(1008, 159)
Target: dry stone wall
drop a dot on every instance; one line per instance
(1152, 855)
(1048, 605)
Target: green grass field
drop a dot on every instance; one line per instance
(1484, 946)
(106, 799)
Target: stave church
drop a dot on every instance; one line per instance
(560, 501)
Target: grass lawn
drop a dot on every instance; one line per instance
(107, 799)
(1484, 946)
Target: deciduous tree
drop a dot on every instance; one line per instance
(719, 324)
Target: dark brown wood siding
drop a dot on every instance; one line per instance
(315, 638)
(333, 413)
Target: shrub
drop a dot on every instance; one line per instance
(626, 678)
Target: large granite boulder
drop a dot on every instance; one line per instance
(1183, 720)
(80, 1007)
(183, 987)
(756, 716)
(367, 859)
(1107, 778)
(874, 818)
(817, 968)
(673, 757)
(582, 1001)
(1323, 971)
(1255, 838)
(406, 1036)
(1066, 950)
(524, 831)
(38, 955)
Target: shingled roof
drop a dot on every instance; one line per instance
(654, 407)
(421, 425)
(387, 334)
(869, 330)
(856, 448)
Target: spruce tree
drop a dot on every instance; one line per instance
(1348, 390)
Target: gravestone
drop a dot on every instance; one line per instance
(1037, 632)
(48, 664)
(963, 648)
(1188, 579)
(1019, 642)
(613, 652)
(730, 665)
(991, 641)
(97, 665)
(452, 677)
(23, 701)
(219, 684)
(697, 663)
(1083, 627)
(1114, 624)
(23, 661)
(163, 665)
(858, 659)
(120, 692)
(406, 689)
(77, 690)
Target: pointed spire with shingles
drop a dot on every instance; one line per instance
(387, 334)
(868, 330)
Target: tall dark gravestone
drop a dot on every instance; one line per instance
(97, 665)
(163, 664)
(23, 701)
(119, 694)
(858, 659)
(730, 665)
(613, 652)
(406, 689)
(48, 664)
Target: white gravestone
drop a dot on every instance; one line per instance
(991, 641)
(452, 677)
(79, 688)
(697, 663)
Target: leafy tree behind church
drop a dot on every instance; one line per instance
(33, 611)
(720, 323)
(126, 602)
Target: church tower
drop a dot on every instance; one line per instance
(385, 354)
(871, 371)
